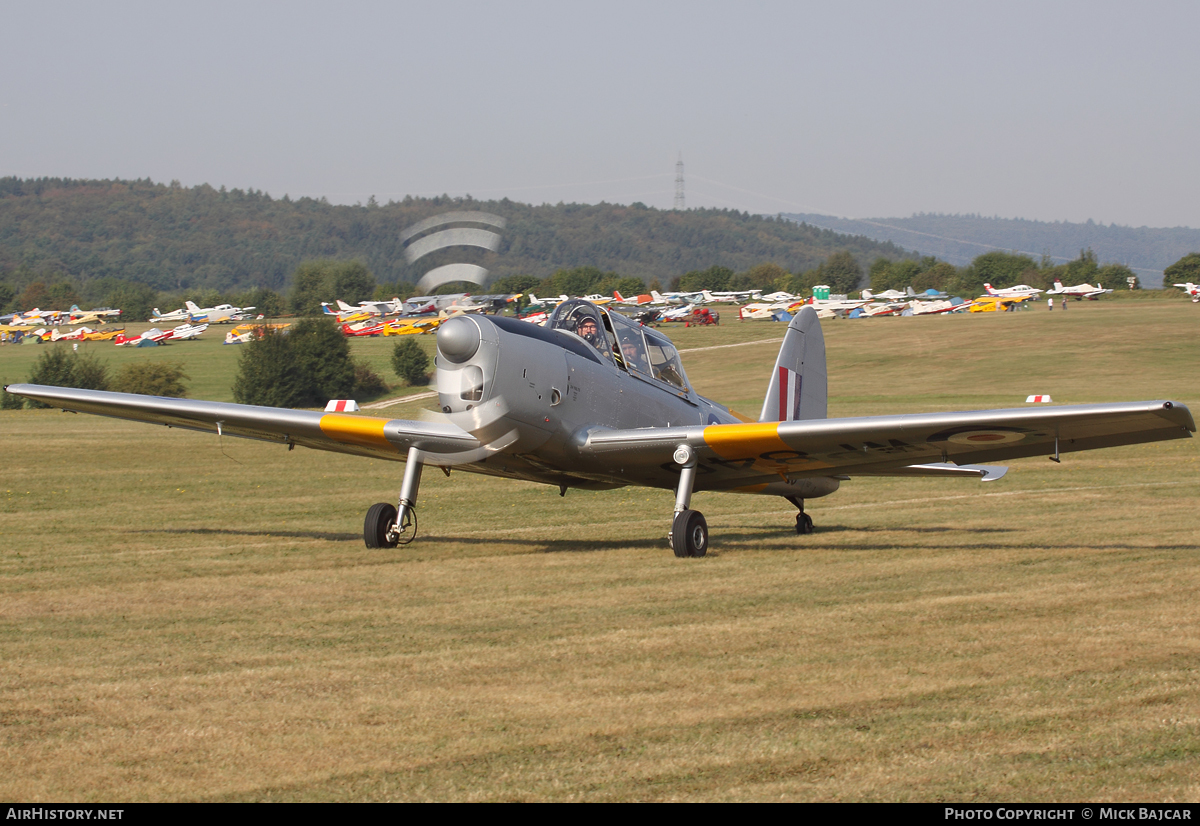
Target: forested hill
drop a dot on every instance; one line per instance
(174, 238)
(960, 238)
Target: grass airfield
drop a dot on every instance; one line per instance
(189, 619)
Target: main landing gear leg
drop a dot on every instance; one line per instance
(689, 531)
(387, 526)
(804, 523)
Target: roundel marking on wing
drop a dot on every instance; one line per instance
(980, 436)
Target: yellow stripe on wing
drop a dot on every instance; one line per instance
(355, 430)
(759, 442)
(744, 441)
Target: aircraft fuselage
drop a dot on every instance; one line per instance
(532, 393)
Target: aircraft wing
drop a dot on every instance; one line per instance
(360, 435)
(746, 455)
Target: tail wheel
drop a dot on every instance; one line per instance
(378, 528)
(689, 534)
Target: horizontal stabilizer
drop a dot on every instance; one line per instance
(985, 473)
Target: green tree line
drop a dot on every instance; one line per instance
(98, 235)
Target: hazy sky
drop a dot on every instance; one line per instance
(1046, 110)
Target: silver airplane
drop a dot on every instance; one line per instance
(594, 401)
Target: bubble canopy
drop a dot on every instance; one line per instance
(640, 351)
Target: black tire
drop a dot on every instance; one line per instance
(689, 534)
(804, 524)
(380, 519)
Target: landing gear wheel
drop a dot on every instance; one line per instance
(804, 524)
(689, 534)
(379, 527)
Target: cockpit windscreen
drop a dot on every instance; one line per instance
(583, 319)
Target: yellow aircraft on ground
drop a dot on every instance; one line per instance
(999, 304)
(411, 326)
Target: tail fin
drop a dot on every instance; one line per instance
(617, 295)
(989, 289)
(191, 305)
(799, 387)
(867, 295)
(910, 292)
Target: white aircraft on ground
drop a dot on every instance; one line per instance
(875, 308)
(186, 331)
(888, 295)
(1019, 291)
(908, 294)
(730, 296)
(553, 301)
(918, 307)
(216, 315)
(676, 298)
(160, 317)
(780, 295)
(762, 310)
(838, 306)
(35, 317)
(1079, 291)
(1191, 289)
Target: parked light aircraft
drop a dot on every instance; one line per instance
(186, 331)
(218, 314)
(888, 295)
(676, 298)
(938, 306)
(594, 401)
(781, 295)
(730, 296)
(96, 316)
(153, 336)
(33, 318)
(636, 301)
(1019, 291)
(1079, 291)
(1191, 289)
(345, 314)
(909, 293)
(553, 301)
(175, 315)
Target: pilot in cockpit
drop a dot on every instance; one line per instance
(634, 358)
(588, 330)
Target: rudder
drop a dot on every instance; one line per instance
(799, 387)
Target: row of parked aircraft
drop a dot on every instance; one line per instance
(191, 312)
(55, 318)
